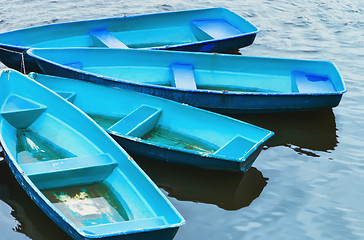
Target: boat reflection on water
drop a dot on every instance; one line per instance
(227, 190)
(24, 216)
(305, 132)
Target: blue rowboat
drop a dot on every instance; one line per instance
(218, 82)
(74, 171)
(206, 30)
(164, 130)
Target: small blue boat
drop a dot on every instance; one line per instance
(218, 82)
(74, 171)
(164, 130)
(206, 30)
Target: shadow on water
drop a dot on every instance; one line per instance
(304, 132)
(32, 221)
(229, 191)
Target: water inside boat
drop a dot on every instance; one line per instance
(205, 80)
(88, 205)
(32, 148)
(171, 138)
(162, 136)
(231, 88)
(104, 121)
(140, 74)
(157, 37)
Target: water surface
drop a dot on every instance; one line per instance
(308, 181)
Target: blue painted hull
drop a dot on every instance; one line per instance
(16, 57)
(158, 153)
(222, 83)
(206, 30)
(54, 162)
(178, 134)
(167, 233)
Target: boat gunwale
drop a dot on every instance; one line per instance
(203, 91)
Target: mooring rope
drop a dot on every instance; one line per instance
(22, 67)
(22, 64)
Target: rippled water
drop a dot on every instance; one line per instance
(308, 183)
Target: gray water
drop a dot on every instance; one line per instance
(308, 183)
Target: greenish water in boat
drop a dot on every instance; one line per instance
(88, 205)
(231, 88)
(171, 138)
(104, 121)
(161, 135)
(31, 147)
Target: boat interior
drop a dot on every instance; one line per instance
(187, 76)
(157, 121)
(83, 183)
(143, 123)
(189, 71)
(158, 124)
(195, 31)
(145, 31)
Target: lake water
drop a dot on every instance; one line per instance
(308, 182)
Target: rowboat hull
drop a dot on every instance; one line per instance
(164, 130)
(16, 58)
(206, 30)
(218, 82)
(80, 178)
(157, 153)
(167, 233)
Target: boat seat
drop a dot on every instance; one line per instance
(103, 38)
(213, 29)
(69, 96)
(77, 170)
(238, 148)
(311, 83)
(21, 112)
(151, 223)
(137, 123)
(183, 76)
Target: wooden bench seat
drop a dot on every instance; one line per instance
(21, 112)
(103, 38)
(311, 83)
(69, 96)
(137, 123)
(183, 76)
(70, 171)
(214, 29)
(237, 148)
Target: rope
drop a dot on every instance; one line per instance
(8, 50)
(22, 64)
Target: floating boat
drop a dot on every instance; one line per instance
(74, 171)
(164, 130)
(218, 82)
(206, 30)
